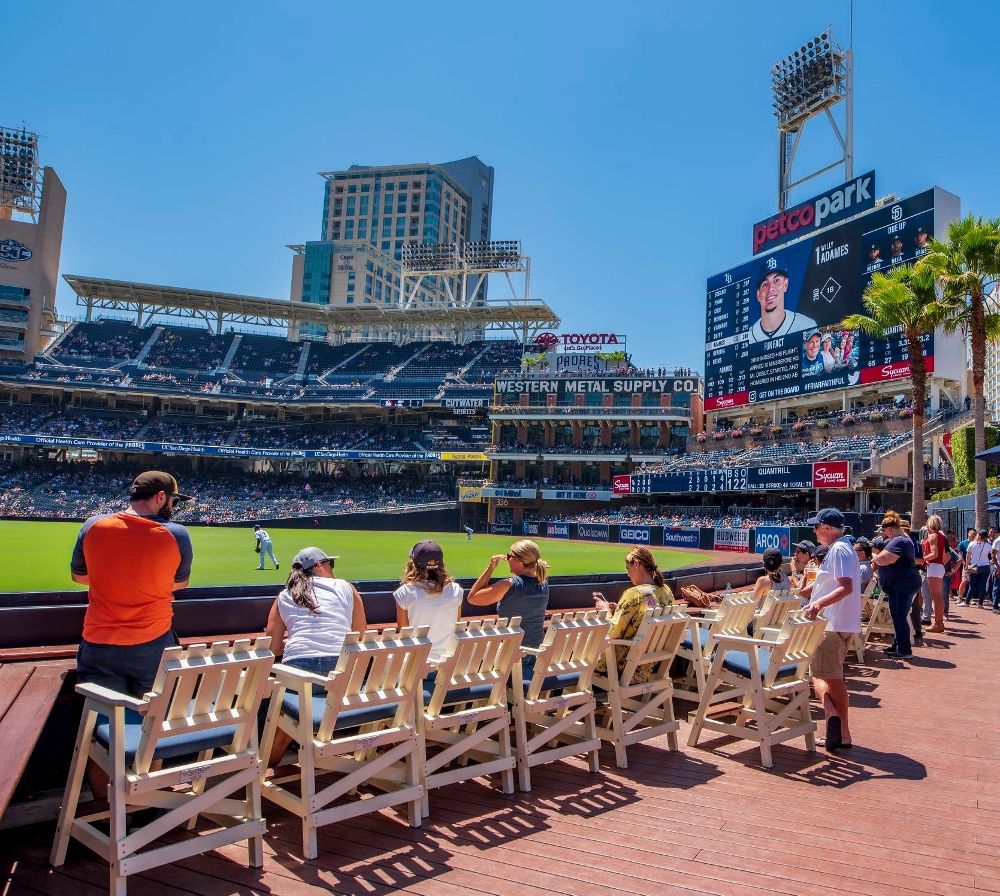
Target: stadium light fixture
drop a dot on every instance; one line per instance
(807, 83)
(20, 174)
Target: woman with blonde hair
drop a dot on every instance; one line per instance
(427, 595)
(935, 554)
(524, 593)
(648, 592)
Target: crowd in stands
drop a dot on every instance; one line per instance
(97, 426)
(76, 490)
(113, 340)
(188, 349)
(681, 517)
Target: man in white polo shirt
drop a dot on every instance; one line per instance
(836, 594)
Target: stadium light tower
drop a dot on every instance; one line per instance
(20, 174)
(807, 84)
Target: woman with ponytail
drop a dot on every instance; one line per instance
(524, 593)
(427, 595)
(648, 592)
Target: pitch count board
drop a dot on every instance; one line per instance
(773, 324)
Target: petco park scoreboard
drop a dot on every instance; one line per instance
(773, 325)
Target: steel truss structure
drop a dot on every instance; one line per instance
(20, 173)
(143, 302)
(807, 84)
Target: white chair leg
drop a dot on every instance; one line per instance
(71, 796)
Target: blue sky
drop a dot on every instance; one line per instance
(634, 143)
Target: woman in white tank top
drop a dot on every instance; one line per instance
(310, 619)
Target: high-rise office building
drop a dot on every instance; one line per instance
(369, 214)
(32, 207)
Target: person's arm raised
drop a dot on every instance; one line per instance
(482, 594)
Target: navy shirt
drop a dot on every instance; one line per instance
(528, 598)
(903, 573)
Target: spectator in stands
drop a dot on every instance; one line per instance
(648, 592)
(265, 547)
(900, 580)
(310, 619)
(132, 563)
(774, 578)
(863, 548)
(935, 553)
(427, 595)
(524, 593)
(836, 594)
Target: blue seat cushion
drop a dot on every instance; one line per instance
(167, 747)
(702, 637)
(352, 718)
(738, 662)
(461, 695)
(557, 682)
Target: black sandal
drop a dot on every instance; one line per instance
(834, 735)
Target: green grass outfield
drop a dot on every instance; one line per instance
(36, 555)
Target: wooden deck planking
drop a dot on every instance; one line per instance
(914, 809)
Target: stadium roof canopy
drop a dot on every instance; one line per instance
(216, 309)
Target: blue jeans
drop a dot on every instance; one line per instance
(977, 584)
(900, 602)
(267, 550)
(317, 665)
(128, 669)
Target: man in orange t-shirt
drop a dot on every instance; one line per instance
(133, 562)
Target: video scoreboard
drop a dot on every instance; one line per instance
(773, 325)
(779, 477)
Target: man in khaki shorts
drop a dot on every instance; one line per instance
(836, 594)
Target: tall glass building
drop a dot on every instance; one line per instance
(369, 214)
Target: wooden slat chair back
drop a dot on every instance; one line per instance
(186, 748)
(554, 711)
(775, 609)
(358, 726)
(768, 681)
(638, 704)
(733, 617)
(466, 719)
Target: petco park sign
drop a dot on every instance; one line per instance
(581, 342)
(847, 200)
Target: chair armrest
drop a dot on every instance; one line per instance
(706, 616)
(111, 698)
(620, 642)
(534, 651)
(741, 640)
(296, 679)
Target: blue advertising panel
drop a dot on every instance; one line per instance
(634, 534)
(530, 528)
(557, 530)
(779, 537)
(681, 538)
(502, 528)
(593, 531)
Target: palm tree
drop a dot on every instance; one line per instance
(905, 299)
(966, 266)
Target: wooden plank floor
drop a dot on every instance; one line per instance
(914, 808)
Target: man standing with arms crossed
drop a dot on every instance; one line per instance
(836, 594)
(132, 561)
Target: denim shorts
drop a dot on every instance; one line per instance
(317, 665)
(126, 668)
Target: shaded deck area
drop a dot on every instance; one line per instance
(914, 808)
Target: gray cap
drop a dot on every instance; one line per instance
(307, 558)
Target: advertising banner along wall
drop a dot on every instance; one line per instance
(593, 531)
(681, 538)
(737, 540)
(779, 537)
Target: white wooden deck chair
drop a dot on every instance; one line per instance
(770, 682)
(466, 720)
(554, 710)
(638, 704)
(733, 617)
(358, 726)
(188, 748)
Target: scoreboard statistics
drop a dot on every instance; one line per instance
(773, 325)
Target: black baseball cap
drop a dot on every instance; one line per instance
(772, 559)
(805, 545)
(874, 248)
(829, 515)
(879, 542)
(897, 239)
(766, 272)
(426, 552)
(152, 482)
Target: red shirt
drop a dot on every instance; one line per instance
(935, 548)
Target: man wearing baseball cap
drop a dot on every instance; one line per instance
(836, 594)
(775, 320)
(132, 561)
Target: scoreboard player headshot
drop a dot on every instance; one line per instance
(897, 249)
(875, 260)
(920, 241)
(775, 319)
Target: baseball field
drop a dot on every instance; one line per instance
(36, 554)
